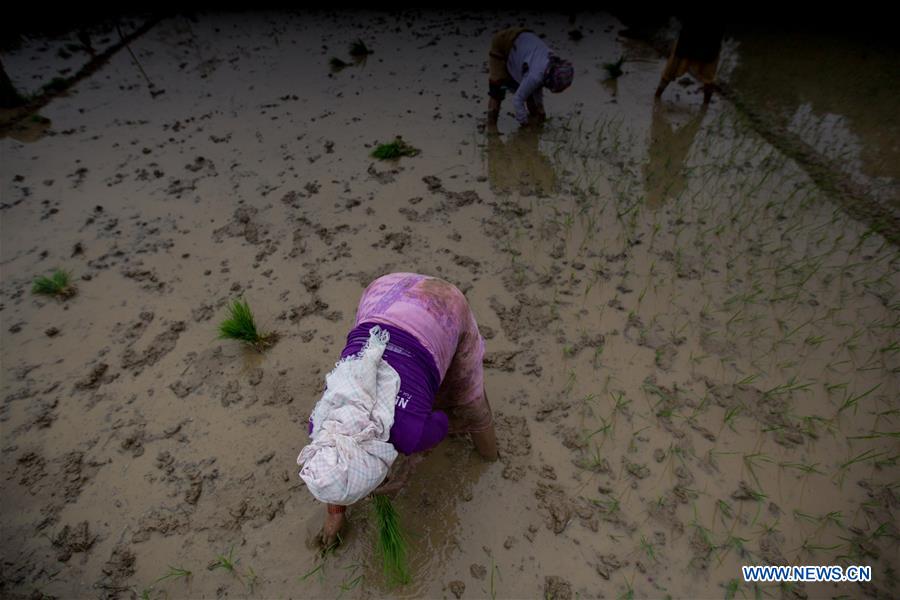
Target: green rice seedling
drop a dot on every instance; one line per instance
(852, 400)
(735, 542)
(594, 461)
(790, 386)
(628, 594)
(614, 69)
(752, 461)
(725, 510)
(815, 340)
(319, 568)
(730, 415)
(337, 64)
(648, 549)
(830, 387)
(731, 589)
(241, 326)
(870, 454)
(391, 543)
(358, 49)
(604, 429)
(351, 582)
(811, 548)
(806, 468)
(765, 529)
(226, 562)
(611, 506)
(747, 380)
(874, 435)
(251, 579)
(58, 285)
(395, 149)
(890, 461)
(174, 573)
(145, 593)
(494, 569)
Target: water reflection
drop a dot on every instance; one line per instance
(838, 93)
(429, 507)
(670, 143)
(516, 163)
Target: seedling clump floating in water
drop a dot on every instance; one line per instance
(241, 326)
(391, 543)
(337, 64)
(58, 284)
(394, 149)
(358, 49)
(614, 69)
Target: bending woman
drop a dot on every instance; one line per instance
(411, 373)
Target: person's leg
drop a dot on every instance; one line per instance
(663, 84)
(486, 440)
(497, 75)
(673, 70)
(493, 112)
(462, 393)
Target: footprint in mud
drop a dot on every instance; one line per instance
(513, 443)
(527, 314)
(161, 345)
(73, 539)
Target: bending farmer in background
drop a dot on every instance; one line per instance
(696, 52)
(519, 60)
(411, 373)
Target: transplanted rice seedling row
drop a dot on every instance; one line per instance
(800, 299)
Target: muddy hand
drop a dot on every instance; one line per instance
(330, 535)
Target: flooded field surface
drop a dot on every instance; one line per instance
(692, 351)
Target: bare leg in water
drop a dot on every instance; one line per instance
(486, 441)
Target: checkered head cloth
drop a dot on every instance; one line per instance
(559, 74)
(350, 455)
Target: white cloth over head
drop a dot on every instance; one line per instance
(349, 455)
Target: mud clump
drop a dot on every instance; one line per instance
(397, 240)
(311, 281)
(607, 564)
(161, 345)
(203, 312)
(119, 567)
(166, 522)
(501, 360)
(314, 307)
(242, 224)
(457, 588)
(513, 444)
(30, 469)
(527, 314)
(181, 389)
(71, 540)
(556, 506)
(76, 474)
(95, 378)
(383, 177)
(452, 200)
(557, 588)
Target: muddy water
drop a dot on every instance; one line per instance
(691, 351)
(852, 120)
